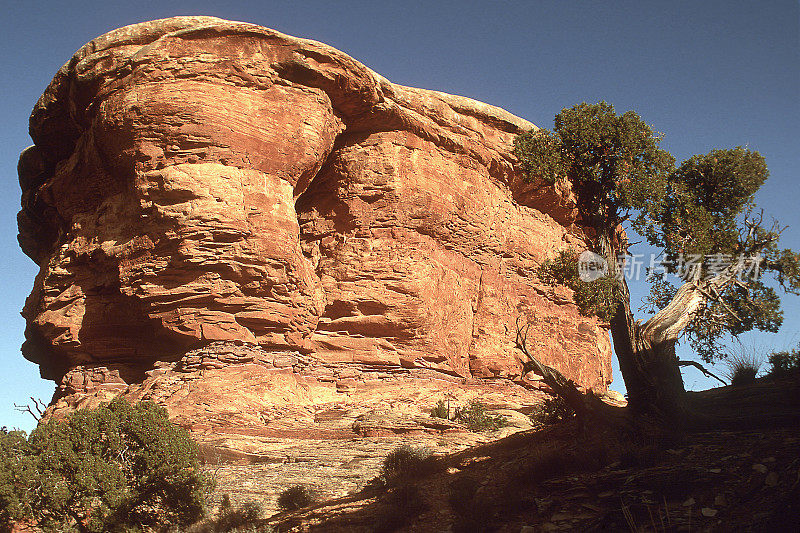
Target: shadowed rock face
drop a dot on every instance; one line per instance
(201, 187)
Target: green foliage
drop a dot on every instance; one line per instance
(541, 154)
(706, 194)
(784, 363)
(402, 501)
(115, 468)
(551, 411)
(613, 161)
(704, 207)
(598, 298)
(17, 473)
(475, 417)
(296, 497)
(442, 410)
(708, 212)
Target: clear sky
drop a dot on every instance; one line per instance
(709, 74)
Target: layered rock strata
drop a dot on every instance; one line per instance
(256, 230)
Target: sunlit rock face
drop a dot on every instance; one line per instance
(218, 200)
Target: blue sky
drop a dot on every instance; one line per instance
(711, 74)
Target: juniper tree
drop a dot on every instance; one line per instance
(118, 467)
(703, 208)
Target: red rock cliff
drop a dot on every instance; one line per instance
(205, 194)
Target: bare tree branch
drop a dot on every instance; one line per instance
(563, 387)
(702, 369)
(39, 405)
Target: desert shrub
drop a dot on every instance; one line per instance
(784, 363)
(743, 368)
(551, 411)
(475, 417)
(405, 464)
(402, 501)
(296, 497)
(231, 518)
(119, 467)
(17, 471)
(441, 410)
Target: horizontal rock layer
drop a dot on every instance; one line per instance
(220, 199)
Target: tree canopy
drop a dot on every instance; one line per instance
(699, 214)
(118, 467)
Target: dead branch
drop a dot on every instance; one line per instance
(702, 369)
(39, 405)
(562, 386)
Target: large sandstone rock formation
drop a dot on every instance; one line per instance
(246, 226)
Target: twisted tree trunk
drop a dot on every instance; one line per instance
(646, 352)
(648, 363)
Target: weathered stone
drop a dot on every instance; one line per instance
(199, 181)
(285, 249)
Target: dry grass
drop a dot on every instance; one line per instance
(743, 366)
(296, 497)
(406, 464)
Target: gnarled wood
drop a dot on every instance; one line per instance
(646, 352)
(584, 405)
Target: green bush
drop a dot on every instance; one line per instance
(296, 497)
(597, 298)
(402, 501)
(17, 472)
(475, 417)
(784, 363)
(442, 410)
(119, 467)
(551, 411)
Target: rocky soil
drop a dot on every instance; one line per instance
(572, 478)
